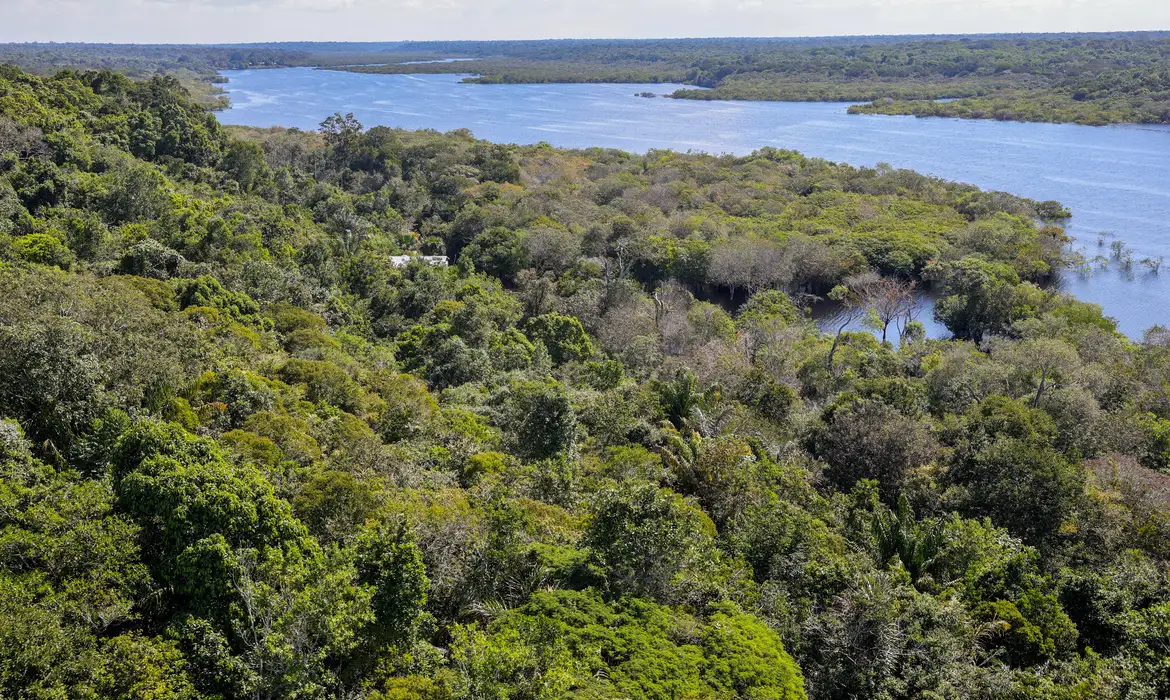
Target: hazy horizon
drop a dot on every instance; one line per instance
(726, 37)
(274, 21)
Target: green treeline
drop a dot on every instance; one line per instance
(1082, 78)
(246, 454)
(144, 60)
(197, 67)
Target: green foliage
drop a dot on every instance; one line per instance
(1032, 491)
(231, 553)
(323, 382)
(572, 644)
(44, 249)
(151, 259)
(768, 307)
(978, 298)
(540, 419)
(917, 546)
(1155, 448)
(1034, 630)
(62, 373)
(1149, 630)
(871, 440)
(247, 452)
(681, 398)
(389, 560)
(207, 291)
(563, 336)
(499, 252)
(409, 409)
(749, 657)
(192, 499)
(655, 544)
(334, 505)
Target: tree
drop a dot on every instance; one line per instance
(881, 637)
(136, 193)
(151, 259)
(169, 125)
(1033, 629)
(850, 302)
(771, 306)
(1031, 490)
(1148, 635)
(207, 291)
(237, 565)
(497, 163)
(681, 398)
(145, 667)
(335, 505)
(891, 300)
(980, 298)
(73, 582)
(74, 348)
(323, 382)
(916, 545)
(651, 543)
(389, 560)
(409, 408)
(721, 472)
(871, 440)
(43, 249)
(499, 252)
(769, 319)
(538, 292)
(498, 665)
(455, 363)
(563, 336)
(244, 161)
(552, 249)
(341, 133)
(745, 654)
(750, 265)
(540, 419)
(1043, 360)
(563, 643)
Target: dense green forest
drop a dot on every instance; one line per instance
(1083, 78)
(247, 453)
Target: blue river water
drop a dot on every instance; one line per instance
(1115, 179)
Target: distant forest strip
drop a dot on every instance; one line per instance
(1080, 78)
(1086, 79)
(196, 67)
(145, 60)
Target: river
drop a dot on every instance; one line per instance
(1115, 179)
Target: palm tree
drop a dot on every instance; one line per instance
(898, 534)
(690, 410)
(681, 398)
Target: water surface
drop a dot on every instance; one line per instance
(1114, 179)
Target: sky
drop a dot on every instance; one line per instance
(228, 21)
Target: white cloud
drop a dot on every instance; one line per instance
(312, 5)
